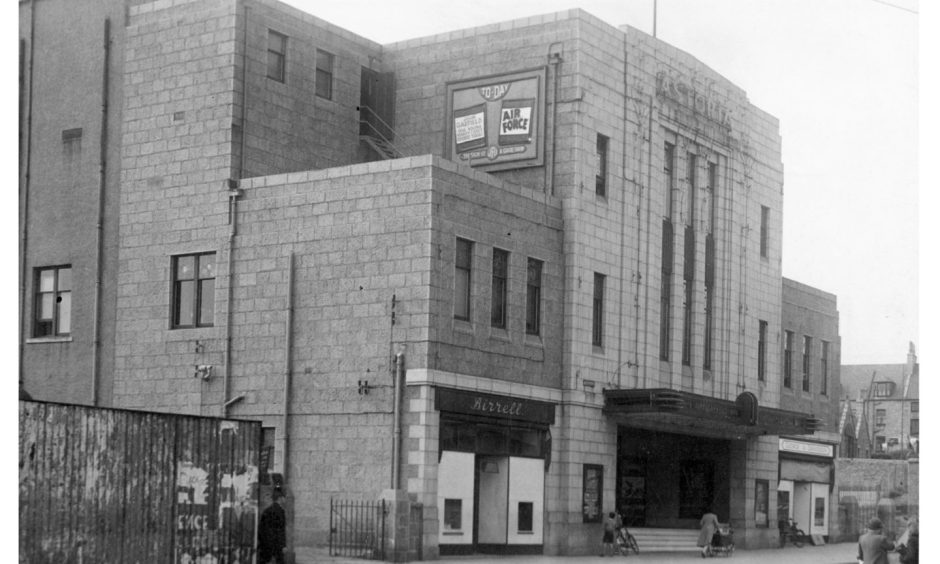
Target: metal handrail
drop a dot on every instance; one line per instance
(404, 149)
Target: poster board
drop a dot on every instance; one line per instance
(592, 493)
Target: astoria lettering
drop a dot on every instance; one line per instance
(484, 405)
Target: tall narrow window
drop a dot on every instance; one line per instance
(462, 279)
(598, 332)
(880, 415)
(53, 305)
(193, 290)
(710, 268)
(788, 359)
(688, 276)
(277, 56)
(762, 351)
(324, 78)
(824, 369)
(500, 277)
(533, 300)
(600, 167)
(807, 353)
(764, 230)
(665, 288)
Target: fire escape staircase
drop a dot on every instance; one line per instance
(378, 136)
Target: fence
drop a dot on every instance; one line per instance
(107, 485)
(357, 528)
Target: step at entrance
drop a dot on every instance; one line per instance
(665, 540)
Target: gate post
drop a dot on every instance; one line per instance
(398, 526)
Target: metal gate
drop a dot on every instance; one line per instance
(357, 528)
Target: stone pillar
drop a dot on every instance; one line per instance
(398, 526)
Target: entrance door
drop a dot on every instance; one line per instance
(803, 505)
(820, 521)
(492, 499)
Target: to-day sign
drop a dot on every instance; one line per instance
(496, 123)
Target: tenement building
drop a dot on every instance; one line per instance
(522, 275)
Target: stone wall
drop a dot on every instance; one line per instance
(866, 488)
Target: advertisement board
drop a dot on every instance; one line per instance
(497, 122)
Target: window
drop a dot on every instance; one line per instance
(824, 369)
(665, 292)
(880, 415)
(533, 296)
(883, 389)
(762, 351)
(598, 333)
(452, 514)
(710, 267)
(324, 80)
(880, 444)
(807, 351)
(193, 290)
(669, 171)
(692, 162)
(462, 279)
(788, 360)
(277, 56)
(500, 276)
(915, 407)
(600, 168)
(915, 427)
(53, 303)
(764, 230)
(524, 524)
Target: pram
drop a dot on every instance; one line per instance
(626, 542)
(722, 541)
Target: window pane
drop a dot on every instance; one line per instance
(462, 289)
(207, 266)
(525, 516)
(46, 302)
(184, 303)
(65, 279)
(206, 302)
(47, 280)
(185, 268)
(452, 514)
(64, 323)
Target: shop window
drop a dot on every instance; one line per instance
(324, 78)
(533, 297)
(453, 510)
(597, 337)
(193, 290)
(819, 512)
(53, 303)
(277, 56)
(462, 279)
(500, 283)
(600, 167)
(524, 524)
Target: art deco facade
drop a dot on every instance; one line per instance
(561, 238)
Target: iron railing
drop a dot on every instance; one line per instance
(357, 528)
(371, 125)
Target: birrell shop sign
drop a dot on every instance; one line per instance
(495, 406)
(496, 122)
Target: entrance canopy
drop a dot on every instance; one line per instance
(705, 415)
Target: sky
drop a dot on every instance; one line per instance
(842, 78)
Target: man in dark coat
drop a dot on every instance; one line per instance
(272, 537)
(873, 546)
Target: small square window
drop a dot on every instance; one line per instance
(277, 56)
(193, 290)
(324, 79)
(53, 302)
(452, 514)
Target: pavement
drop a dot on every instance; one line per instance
(841, 553)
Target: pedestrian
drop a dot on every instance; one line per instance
(610, 525)
(908, 544)
(709, 524)
(272, 525)
(873, 546)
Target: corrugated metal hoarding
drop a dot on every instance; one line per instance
(107, 485)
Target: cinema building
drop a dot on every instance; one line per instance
(521, 275)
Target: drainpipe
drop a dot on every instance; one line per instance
(102, 185)
(233, 194)
(25, 195)
(555, 59)
(396, 442)
(241, 152)
(288, 366)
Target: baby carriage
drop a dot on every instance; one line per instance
(722, 541)
(626, 542)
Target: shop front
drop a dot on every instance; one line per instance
(806, 476)
(494, 452)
